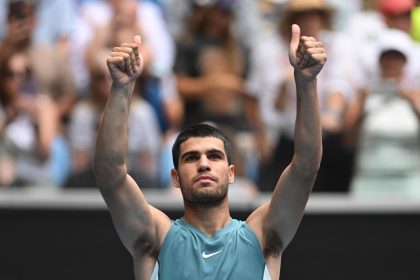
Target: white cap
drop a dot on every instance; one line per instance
(394, 39)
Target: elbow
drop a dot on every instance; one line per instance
(108, 173)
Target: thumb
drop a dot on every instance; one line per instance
(137, 53)
(137, 40)
(294, 41)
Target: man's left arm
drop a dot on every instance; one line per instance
(276, 222)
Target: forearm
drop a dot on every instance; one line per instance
(308, 132)
(112, 140)
(47, 126)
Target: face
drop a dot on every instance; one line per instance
(203, 172)
(218, 23)
(392, 65)
(17, 73)
(125, 13)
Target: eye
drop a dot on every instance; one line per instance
(215, 156)
(190, 158)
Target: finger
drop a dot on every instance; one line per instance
(317, 59)
(128, 65)
(295, 39)
(137, 40)
(305, 60)
(307, 38)
(136, 49)
(128, 48)
(115, 62)
(136, 58)
(312, 51)
(307, 43)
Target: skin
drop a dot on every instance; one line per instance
(203, 174)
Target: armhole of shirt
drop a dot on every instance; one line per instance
(254, 236)
(266, 275)
(168, 236)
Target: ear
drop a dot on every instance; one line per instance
(231, 173)
(175, 178)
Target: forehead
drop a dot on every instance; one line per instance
(202, 144)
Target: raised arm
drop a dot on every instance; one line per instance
(140, 226)
(276, 222)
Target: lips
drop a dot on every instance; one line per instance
(205, 178)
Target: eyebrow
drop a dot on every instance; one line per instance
(195, 152)
(189, 153)
(215, 151)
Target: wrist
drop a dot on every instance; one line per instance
(299, 76)
(122, 88)
(304, 82)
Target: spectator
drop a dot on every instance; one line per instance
(55, 19)
(385, 119)
(272, 81)
(143, 130)
(211, 67)
(95, 13)
(121, 27)
(366, 27)
(247, 22)
(49, 69)
(29, 121)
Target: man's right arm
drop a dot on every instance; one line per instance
(140, 226)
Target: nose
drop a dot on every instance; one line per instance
(203, 165)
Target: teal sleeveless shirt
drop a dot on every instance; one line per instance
(231, 253)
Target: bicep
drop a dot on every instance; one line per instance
(139, 225)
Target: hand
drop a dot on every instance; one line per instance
(306, 54)
(125, 63)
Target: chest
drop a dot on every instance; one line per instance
(189, 255)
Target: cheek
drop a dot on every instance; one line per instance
(185, 174)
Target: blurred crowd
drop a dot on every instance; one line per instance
(219, 61)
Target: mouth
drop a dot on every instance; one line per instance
(205, 178)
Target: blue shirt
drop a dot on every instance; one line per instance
(231, 253)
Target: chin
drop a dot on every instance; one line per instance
(208, 197)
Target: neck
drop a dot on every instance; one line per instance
(209, 219)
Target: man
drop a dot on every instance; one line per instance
(207, 243)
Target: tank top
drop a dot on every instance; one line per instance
(231, 253)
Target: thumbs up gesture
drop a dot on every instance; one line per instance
(306, 54)
(125, 63)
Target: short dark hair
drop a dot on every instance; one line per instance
(200, 130)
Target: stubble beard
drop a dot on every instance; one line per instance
(208, 196)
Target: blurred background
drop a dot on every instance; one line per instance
(224, 62)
